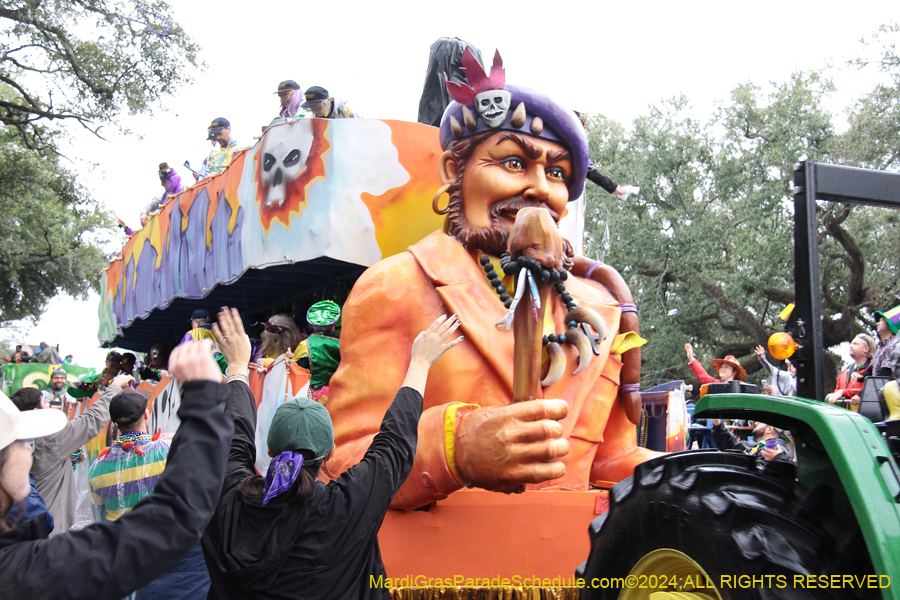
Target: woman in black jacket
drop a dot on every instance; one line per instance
(111, 560)
(288, 535)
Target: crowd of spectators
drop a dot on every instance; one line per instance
(868, 358)
(153, 500)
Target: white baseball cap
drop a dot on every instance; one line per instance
(15, 425)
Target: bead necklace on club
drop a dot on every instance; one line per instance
(527, 271)
(531, 270)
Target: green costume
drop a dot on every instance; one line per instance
(323, 353)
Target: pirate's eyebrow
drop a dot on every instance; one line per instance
(554, 156)
(531, 151)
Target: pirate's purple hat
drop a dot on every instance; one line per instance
(490, 106)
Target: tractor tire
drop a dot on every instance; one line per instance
(716, 516)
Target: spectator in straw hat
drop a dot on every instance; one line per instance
(728, 368)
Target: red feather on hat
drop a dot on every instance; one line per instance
(465, 94)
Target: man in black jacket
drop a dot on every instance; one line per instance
(762, 433)
(110, 560)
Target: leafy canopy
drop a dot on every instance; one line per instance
(707, 246)
(49, 227)
(87, 61)
(70, 61)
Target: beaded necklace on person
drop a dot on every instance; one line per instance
(134, 436)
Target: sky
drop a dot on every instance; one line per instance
(598, 57)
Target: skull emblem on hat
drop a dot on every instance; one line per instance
(492, 106)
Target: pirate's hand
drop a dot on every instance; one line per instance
(501, 448)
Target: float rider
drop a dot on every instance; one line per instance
(224, 148)
(320, 353)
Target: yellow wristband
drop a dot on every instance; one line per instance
(450, 438)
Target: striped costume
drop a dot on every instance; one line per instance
(121, 477)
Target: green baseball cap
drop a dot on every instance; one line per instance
(891, 317)
(301, 424)
(323, 313)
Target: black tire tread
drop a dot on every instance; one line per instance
(733, 519)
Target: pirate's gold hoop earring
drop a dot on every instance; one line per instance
(437, 196)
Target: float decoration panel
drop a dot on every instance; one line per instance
(342, 192)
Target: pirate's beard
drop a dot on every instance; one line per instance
(494, 240)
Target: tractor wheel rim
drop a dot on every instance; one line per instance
(667, 574)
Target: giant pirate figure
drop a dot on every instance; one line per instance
(505, 148)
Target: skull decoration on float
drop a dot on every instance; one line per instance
(285, 150)
(288, 161)
(506, 150)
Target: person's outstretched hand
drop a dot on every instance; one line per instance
(122, 380)
(760, 351)
(194, 362)
(770, 453)
(690, 351)
(429, 346)
(233, 341)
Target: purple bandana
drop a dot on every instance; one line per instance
(283, 472)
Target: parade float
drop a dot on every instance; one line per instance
(319, 207)
(306, 211)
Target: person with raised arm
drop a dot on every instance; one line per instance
(108, 561)
(288, 535)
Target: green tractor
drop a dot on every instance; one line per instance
(719, 525)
